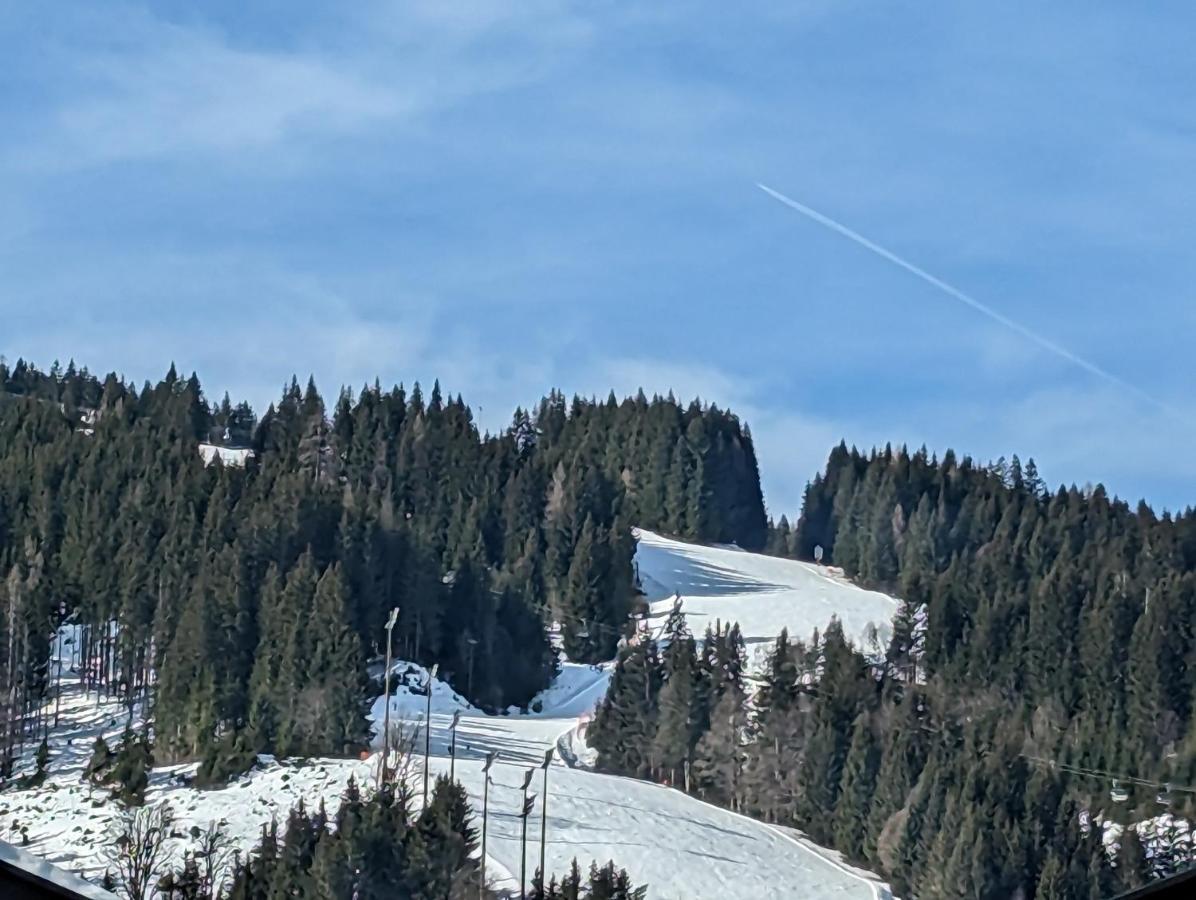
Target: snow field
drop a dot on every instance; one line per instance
(680, 846)
(764, 594)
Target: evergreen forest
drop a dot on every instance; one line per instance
(377, 849)
(242, 603)
(1043, 647)
(374, 847)
(1040, 680)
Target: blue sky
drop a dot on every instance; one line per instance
(514, 196)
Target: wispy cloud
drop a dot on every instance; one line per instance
(141, 87)
(189, 91)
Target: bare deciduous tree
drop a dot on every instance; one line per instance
(138, 851)
(214, 855)
(402, 741)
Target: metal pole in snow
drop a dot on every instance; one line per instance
(473, 643)
(453, 746)
(528, 803)
(390, 624)
(490, 757)
(544, 820)
(428, 732)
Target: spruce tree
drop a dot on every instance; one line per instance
(676, 723)
(718, 757)
(624, 725)
(856, 790)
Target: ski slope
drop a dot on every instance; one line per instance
(679, 846)
(682, 848)
(764, 594)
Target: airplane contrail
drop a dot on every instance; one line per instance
(954, 292)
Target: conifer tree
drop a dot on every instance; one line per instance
(718, 757)
(625, 723)
(677, 723)
(856, 790)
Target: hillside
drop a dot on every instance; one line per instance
(680, 846)
(763, 594)
(1035, 677)
(239, 577)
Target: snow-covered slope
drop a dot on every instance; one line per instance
(683, 848)
(679, 846)
(762, 593)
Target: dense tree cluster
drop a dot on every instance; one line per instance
(123, 770)
(241, 603)
(371, 849)
(603, 883)
(1035, 628)
(932, 789)
(377, 848)
(670, 715)
(1069, 604)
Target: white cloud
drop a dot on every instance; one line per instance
(190, 91)
(1084, 433)
(1096, 434)
(139, 87)
(470, 20)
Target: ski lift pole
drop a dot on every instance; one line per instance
(453, 745)
(544, 820)
(428, 732)
(490, 757)
(384, 776)
(528, 803)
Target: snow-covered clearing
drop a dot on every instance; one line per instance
(229, 456)
(764, 594)
(680, 846)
